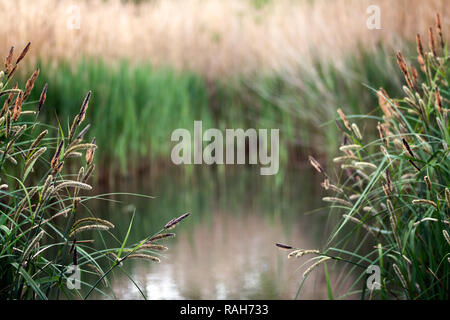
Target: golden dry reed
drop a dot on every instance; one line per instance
(213, 37)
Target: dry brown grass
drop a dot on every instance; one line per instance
(213, 37)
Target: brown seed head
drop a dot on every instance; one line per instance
(407, 148)
(173, 223)
(8, 100)
(427, 182)
(420, 56)
(388, 180)
(42, 97)
(23, 53)
(83, 109)
(90, 153)
(316, 164)
(382, 134)
(344, 119)
(414, 75)
(8, 60)
(404, 68)
(17, 106)
(431, 41)
(82, 133)
(59, 167)
(419, 46)
(161, 236)
(284, 246)
(30, 83)
(383, 102)
(55, 160)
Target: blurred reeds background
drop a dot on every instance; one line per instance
(213, 38)
(158, 65)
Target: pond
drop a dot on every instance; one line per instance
(226, 248)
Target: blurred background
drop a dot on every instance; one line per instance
(155, 66)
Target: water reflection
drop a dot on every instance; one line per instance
(225, 250)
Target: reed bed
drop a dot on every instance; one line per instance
(141, 106)
(131, 100)
(393, 192)
(42, 202)
(231, 63)
(213, 38)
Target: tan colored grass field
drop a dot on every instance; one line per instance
(213, 37)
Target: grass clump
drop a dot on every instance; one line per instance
(393, 192)
(41, 202)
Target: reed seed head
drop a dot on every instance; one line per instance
(23, 53)
(284, 246)
(431, 42)
(36, 142)
(427, 182)
(407, 147)
(384, 103)
(72, 184)
(17, 106)
(356, 131)
(32, 244)
(161, 236)
(404, 68)
(8, 60)
(316, 164)
(83, 132)
(30, 83)
(301, 252)
(83, 109)
(34, 157)
(424, 202)
(90, 153)
(150, 246)
(363, 164)
(344, 119)
(144, 256)
(337, 200)
(173, 223)
(89, 172)
(94, 221)
(349, 147)
(89, 227)
(312, 267)
(42, 97)
(420, 53)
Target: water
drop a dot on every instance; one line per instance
(226, 248)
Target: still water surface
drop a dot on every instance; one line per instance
(226, 248)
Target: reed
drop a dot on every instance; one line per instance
(41, 231)
(399, 220)
(252, 61)
(131, 100)
(213, 38)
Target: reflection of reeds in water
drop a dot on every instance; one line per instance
(227, 257)
(213, 37)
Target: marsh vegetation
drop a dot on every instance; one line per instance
(152, 67)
